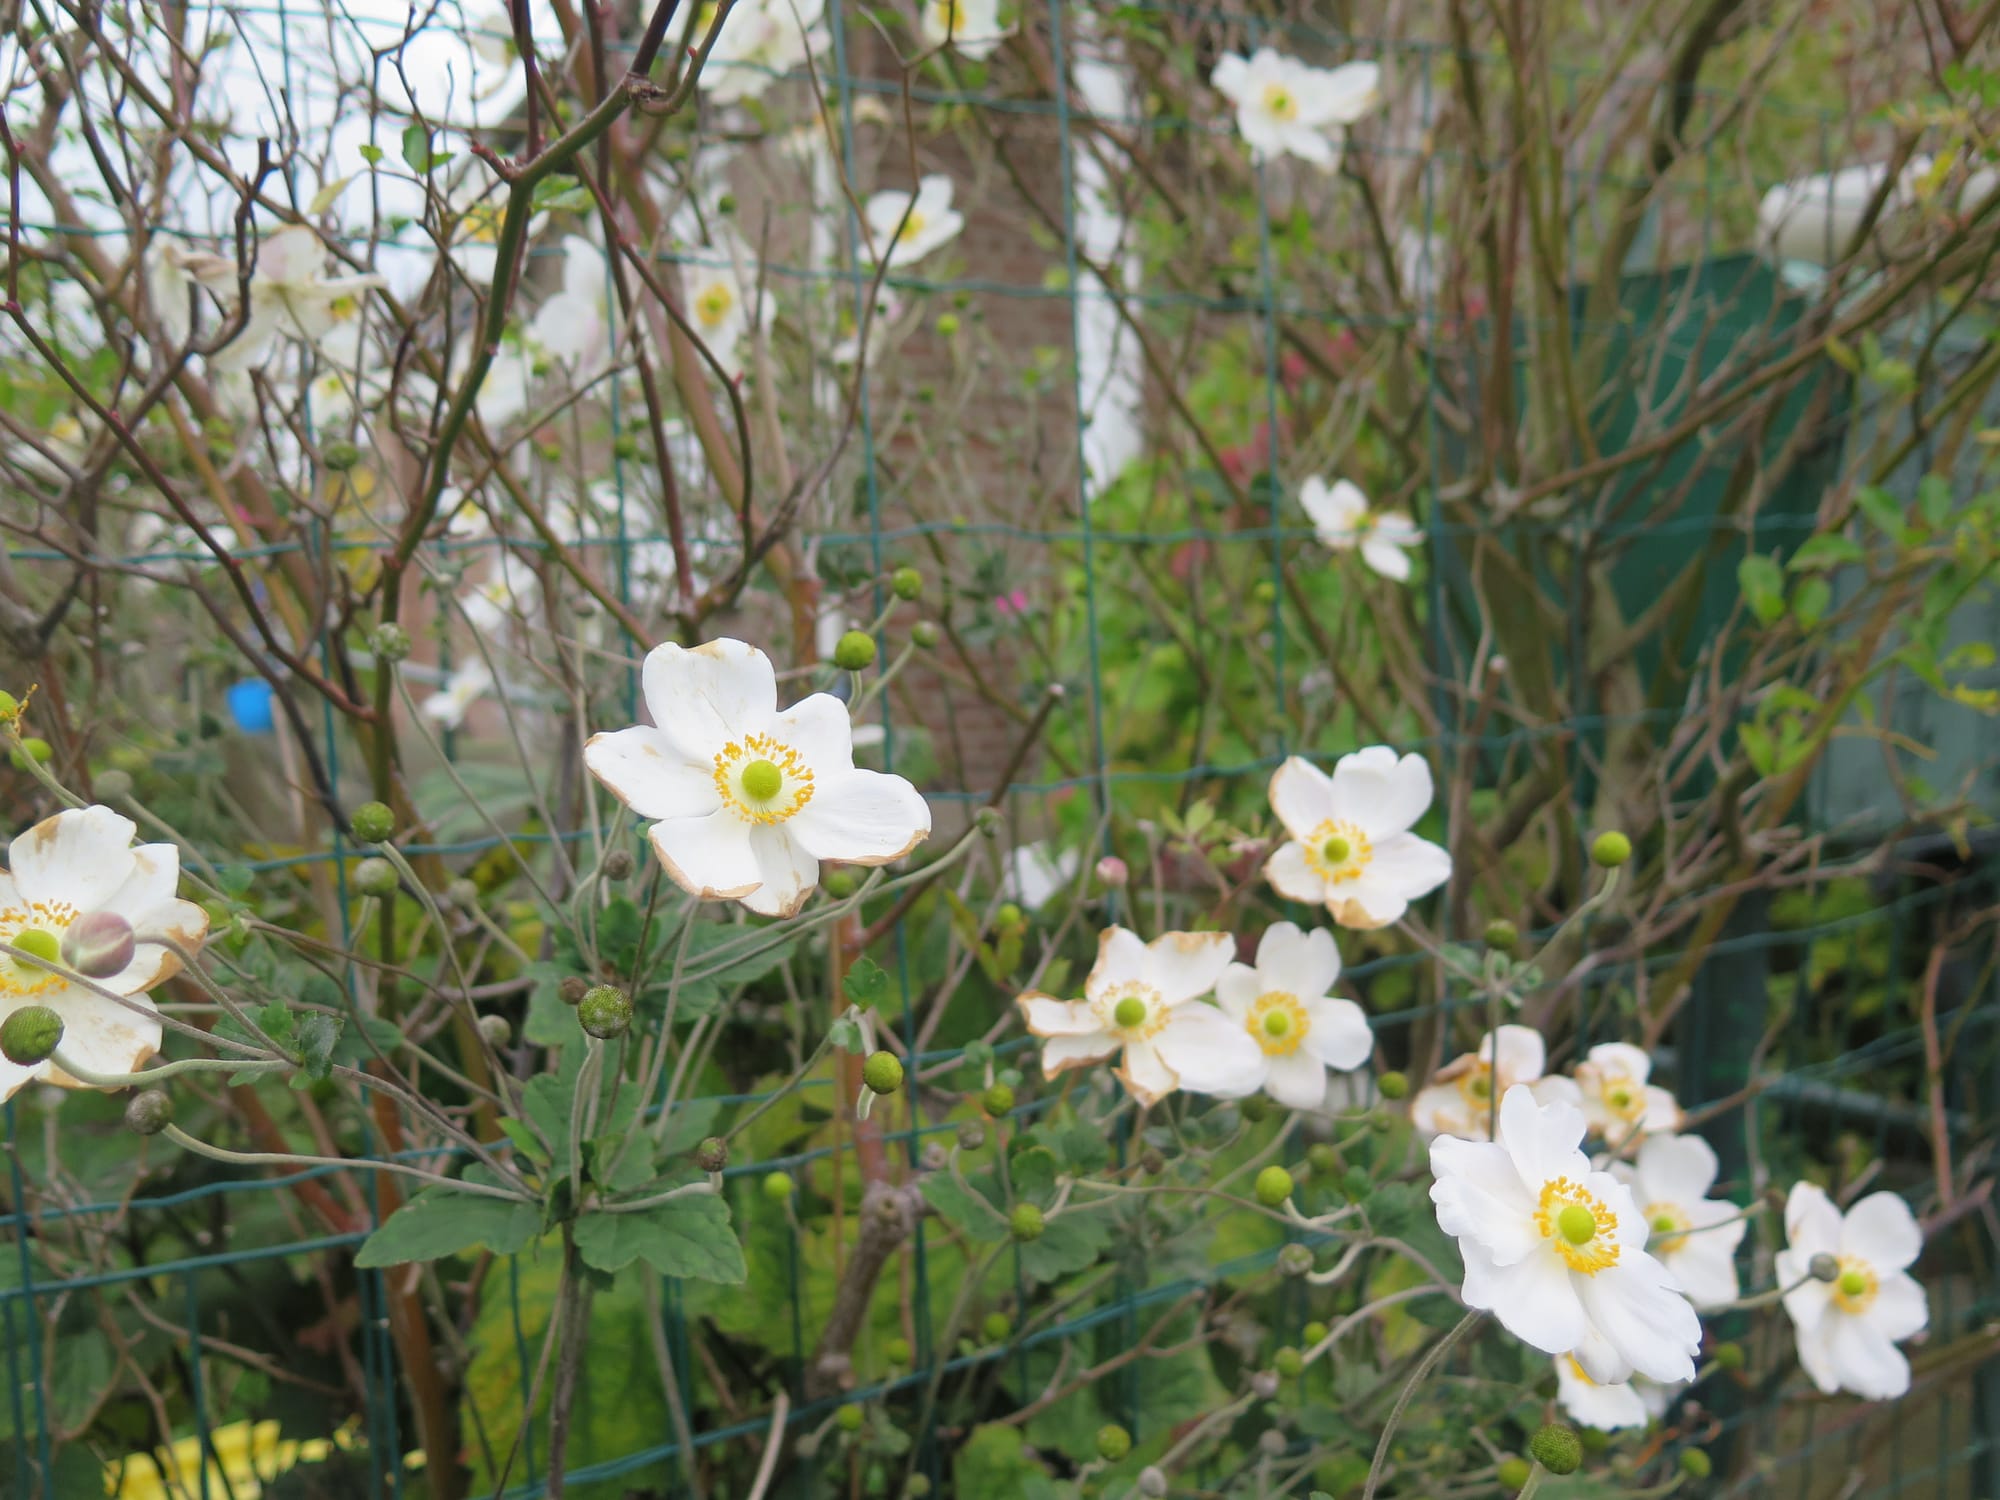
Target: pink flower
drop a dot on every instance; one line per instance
(1013, 604)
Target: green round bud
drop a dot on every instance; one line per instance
(390, 642)
(375, 876)
(1513, 1473)
(1556, 1448)
(917, 1486)
(850, 1417)
(573, 988)
(1593, 1440)
(898, 1353)
(604, 1012)
(906, 584)
(840, 883)
(971, 1135)
(1313, 1332)
(1274, 1186)
(497, 1030)
(1294, 1260)
(924, 633)
(1113, 1442)
(1729, 1356)
(464, 894)
(618, 865)
(777, 1186)
(113, 785)
(987, 821)
(98, 944)
(1323, 1157)
(1393, 1085)
(1025, 1222)
(1502, 936)
(726, 204)
(30, 1034)
(1696, 1464)
(1152, 1161)
(855, 651)
(33, 750)
(149, 1111)
(712, 1155)
(372, 823)
(883, 1072)
(997, 1327)
(340, 455)
(1610, 849)
(1265, 593)
(1823, 1267)
(998, 1100)
(1009, 918)
(762, 780)
(1129, 1012)
(1288, 1362)
(947, 324)
(625, 447)
(1255, 1107)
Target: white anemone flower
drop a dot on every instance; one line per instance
(1625, 1403)
(78, 863)
(1033, 875)
(719, 302)
(1343, 521)
(1848, 1328)
(1694, 1235)
(912, 226)
(1286, 107)
(575, 324)
(1286, 1007)
(972, 26)
(747, 801)
(474, 210)
(1556, 1251)
(1459, 1098)
(761, 41)
(1351, 848)
(1611, 1087)
(448, 706)
(290, 293)
(1141, 998)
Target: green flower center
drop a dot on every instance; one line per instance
(1480, 1086)
(762, 780)
(1665, 1224)
(1129, 1012)
(1577, 1224)
(1336, 850)
(38, 941)
(1853, 1283)
(1276, 1023)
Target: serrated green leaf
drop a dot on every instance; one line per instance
(1068, 1243)
(688, 1236)
(444, 1221)
(866, 985)
(318, 1034)
(1033, 1174)
(972, 1212)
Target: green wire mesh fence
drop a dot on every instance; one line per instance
(1082, 568)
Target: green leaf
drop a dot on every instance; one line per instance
(525, 1141)
(1033, 1172)
(866, 985)
(1758, 745)
(1069, 1242)
(1822, 553)
(564, 194)
(318, 1034)
(353, 1050)
(276, 1021)
(444, 1221)
(972, 1212)
(1883, 508)
(417, 148)
(1934, 498)
(688, 1236)
(324, 198)
(370, 154)
(1763, 585)
(1810, 600)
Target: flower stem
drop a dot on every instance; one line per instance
(1430, 1362)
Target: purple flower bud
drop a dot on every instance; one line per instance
(99, 944)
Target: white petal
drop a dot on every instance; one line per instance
(1407, 867)
(1542, 1139)
(1900, 1309)
(1816, 1354)
(1706, 1272)
(1384, 794)
(1635, 1305)
(1302, 796)
(1439, 1109)
(1622, 1057)
(1812, 1223)
(1230, 76)
(1607, 1408)
(1184, 966)
(1480, 1197)
(1296, 1080)
(1363, 905)
(1146, 1073)
(1237, 990)
(1881, 1230)
(1809, 1302)
(1517, 1053)
(1292, 876)
(1121, 959)
(1676, 1168)
(819, 728)
(1537, 1303)
(81, 856)
(1386, 558)
(290, 255)
(1344, 94)
(1061, 1053)
(708, 857)
(1866, 1362)
(704, 698)
(1209, 1053)
(1339, 511)
(787, 871)
(862, 818)
(1305, 964)
(1340, 1036)
(103, 1035)
(1047, 1016)
(643, 769)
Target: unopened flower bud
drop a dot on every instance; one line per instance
(113, 784)
(99, 944)
(573, 988)
(1288, 1361)
(1271, 1440)
(1556, 1448)
(935, 1157)
(372, 822)
(1026, 1222)
(1393, 1085)
(1823, 1267)
(777, 1186)
(29, 1035)
(497, 1030)
(1113, 1442)
(907, 583)
(855, 651)
(712, 1155)
(997, 1327)
(1263, 1385)
(849, 1417)
(1729, 1356)
(1295, 1260)
(883, 1072)
(917, 1486)
(1513, 1473)
(375, 876)
(1152, 1161)
(618, 864)
(1254, 1107)
(1312, 1333)
(898, 1353)
(971, 1135)
(149, 1111)
(1610, 849)
(340, 455)
(1113, 873)
(987, 821)
(1502, 936)
(604, 1012)
(1273, 1186)
(924, 633)
(1152, 1481)
(1696, 1464)
(390, 642)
